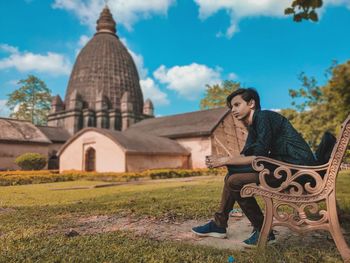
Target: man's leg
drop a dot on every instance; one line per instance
(226, 204)
(218, 227)
(231, 193)
(248, 205)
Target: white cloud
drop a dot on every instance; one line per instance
(83, 40)
(276, 110)
(232, 76)
(151, 90)
(189, 80)
(138, 59)
(81, 43)
(4, 110)
(238, 10)
(13, 82)
(8, 49)
(126, 12)
(52, 63)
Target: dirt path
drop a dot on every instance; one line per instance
(239, 229)
(136, 182)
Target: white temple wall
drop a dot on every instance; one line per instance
(199, 147)
(109, 156)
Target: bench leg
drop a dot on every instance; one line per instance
(334, 228)
(266, 228)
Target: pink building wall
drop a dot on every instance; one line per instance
(110, 157)
(139, 162)
(10, 151)
(199, 147)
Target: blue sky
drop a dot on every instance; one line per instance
(179, 46)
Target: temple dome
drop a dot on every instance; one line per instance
(104, 66)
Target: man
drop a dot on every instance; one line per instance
(269, 134)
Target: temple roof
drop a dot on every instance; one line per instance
(136, 142)
(55, 134)
(104, 66)
(19, 131)
(106, 22)
(149, 104)
(191, 124)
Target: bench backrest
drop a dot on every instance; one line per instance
(339, 151)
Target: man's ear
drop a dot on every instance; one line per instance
(251, 104)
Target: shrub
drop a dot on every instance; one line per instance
(50, 176)
(31, 161)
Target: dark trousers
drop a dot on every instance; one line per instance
(231, 194)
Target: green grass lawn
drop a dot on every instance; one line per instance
(30, 215)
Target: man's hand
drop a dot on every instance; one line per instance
(216, 161)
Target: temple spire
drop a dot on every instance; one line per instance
(106, 22)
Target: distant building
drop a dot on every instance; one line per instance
(18, 137)
(104, 88)
(177, 141)
(104, 125)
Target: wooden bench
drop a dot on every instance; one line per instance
(311, 206)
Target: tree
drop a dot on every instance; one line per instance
(304, 10)
(322, 107)
(215, 96)
(31, 101)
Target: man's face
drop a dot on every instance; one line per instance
(240, 108)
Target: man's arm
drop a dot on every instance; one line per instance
(213, 161)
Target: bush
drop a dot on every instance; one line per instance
(50, 176)
(31, 161)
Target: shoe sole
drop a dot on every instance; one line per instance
(211, 234)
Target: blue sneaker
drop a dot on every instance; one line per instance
(253, 239)
(210, 230)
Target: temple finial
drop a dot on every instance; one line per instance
(106, 22)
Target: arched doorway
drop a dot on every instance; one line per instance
(53, 162)
(90, 159)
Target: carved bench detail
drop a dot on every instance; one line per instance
(309, 206)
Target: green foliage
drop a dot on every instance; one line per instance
(337, 92)
(31, 161)
(311, 128)
(31, 101)
(49, 176)
(304, 10)
(309, 91)
(347, 156)
(166, 173)
(321, 108)
(215, 96)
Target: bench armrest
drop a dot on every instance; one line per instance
(292, 173)
(280, 163)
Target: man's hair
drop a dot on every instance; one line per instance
(247, 95)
